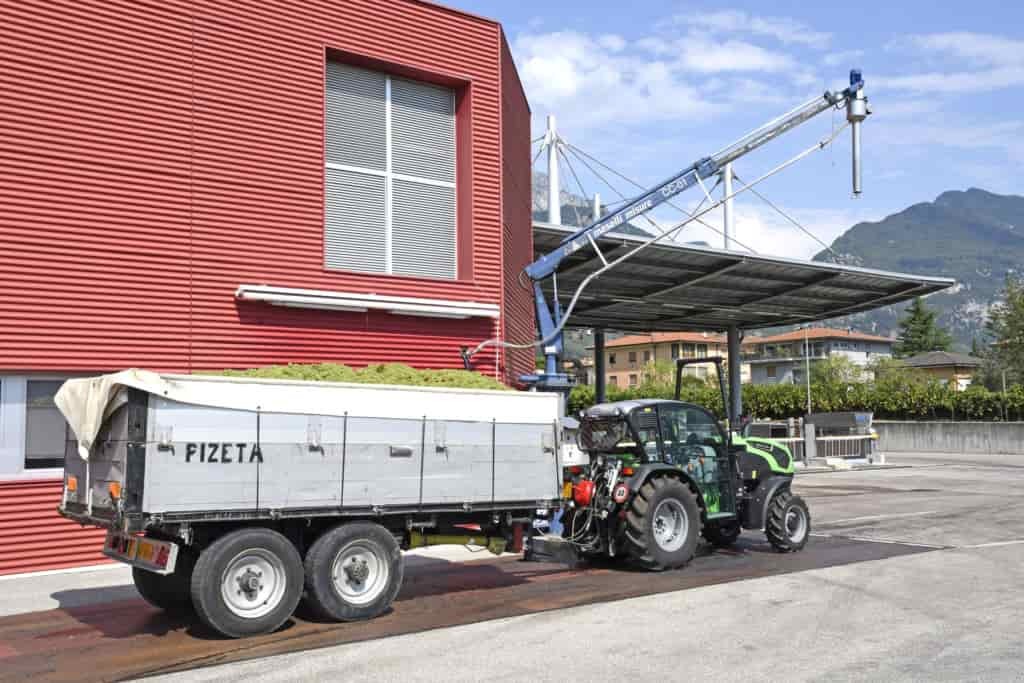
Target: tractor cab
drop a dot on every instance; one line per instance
(651, 432)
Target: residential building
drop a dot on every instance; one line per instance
(783, 358)
(627, 358)
(954, 369)
(196, 186)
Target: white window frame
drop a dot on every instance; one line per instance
(13, 392)
(390, 176)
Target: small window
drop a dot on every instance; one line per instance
(611, 359)
(613, 380)
(647, 356)
(44, 425)
(675, 351)
(632, 380)
(770, 370)
(689, 350)
(632, 356)
(702, 350)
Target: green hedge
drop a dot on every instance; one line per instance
(388, 373)
(888, 398)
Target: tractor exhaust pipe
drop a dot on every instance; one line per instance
(856, 111)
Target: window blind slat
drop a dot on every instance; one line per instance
(354, 229)
(355, 125)
(422, 130)
(422, 229)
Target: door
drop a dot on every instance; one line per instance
(693, 441)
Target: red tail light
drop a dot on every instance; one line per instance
(583, 492)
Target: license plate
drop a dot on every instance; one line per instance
(147, 553)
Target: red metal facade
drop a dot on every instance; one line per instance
(33, 537)
(517, 218)
(156, 155)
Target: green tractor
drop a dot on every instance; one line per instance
(663, 472)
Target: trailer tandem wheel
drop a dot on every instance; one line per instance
(169, 592)
(353, 571)
(247, 582)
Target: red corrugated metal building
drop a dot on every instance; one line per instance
(196, 185)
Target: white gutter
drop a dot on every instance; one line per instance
(360, 303)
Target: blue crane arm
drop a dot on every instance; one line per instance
(549, 316)
(548, 264)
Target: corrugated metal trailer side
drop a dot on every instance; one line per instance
(34, 537)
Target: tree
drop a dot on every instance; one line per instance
(1005, 328)
(919, 333)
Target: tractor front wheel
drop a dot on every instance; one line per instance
(788, 525)
(663, 522)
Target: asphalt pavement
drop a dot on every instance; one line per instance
(953, 613)
(942, 603)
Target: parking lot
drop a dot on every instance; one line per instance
(913, 573)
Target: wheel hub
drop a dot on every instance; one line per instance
(253, 583)
(670, 525)
(361, 572)
(249, 583)
(357, 570)
(796, 525)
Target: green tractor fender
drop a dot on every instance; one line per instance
(756, 510)
(777, 457)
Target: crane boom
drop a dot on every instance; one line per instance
(549, 315)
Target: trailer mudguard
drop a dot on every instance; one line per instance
(756, 510)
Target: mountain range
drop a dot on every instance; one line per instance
(973, 236)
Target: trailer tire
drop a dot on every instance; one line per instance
(247, 582)
(169, 592)
(662, 524)
(353, 572)
(788, 522)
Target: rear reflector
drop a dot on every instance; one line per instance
(115, 489)
(72, 483)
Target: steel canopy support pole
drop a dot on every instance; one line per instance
(554, 191)
(729, 222)
(735, 388)
(599, 370)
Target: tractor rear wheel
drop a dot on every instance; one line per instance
(722, 534)
(662, 524)
(788, 525)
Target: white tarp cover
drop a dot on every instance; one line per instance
(87, 402)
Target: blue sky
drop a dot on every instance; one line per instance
(648, 87)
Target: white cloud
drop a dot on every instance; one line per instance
(706, 56)
(973, 62)
(613, 42)
(981, 48)
(788, 31)
(570, 73)
(842, 58)
(594, 80)
(764, 230)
